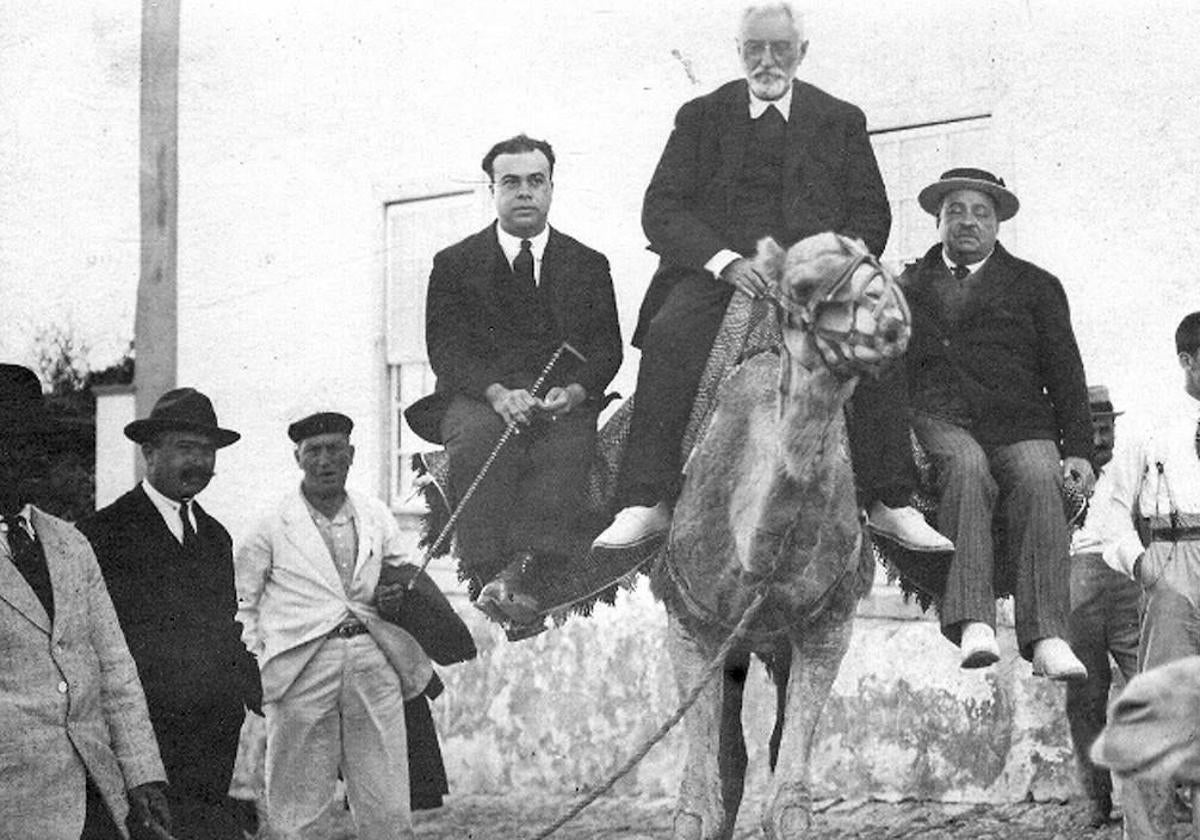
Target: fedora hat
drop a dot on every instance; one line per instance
(1100, 403)
(23, 411)
(182, 410)
(966, 178)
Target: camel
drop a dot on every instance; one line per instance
(768, 516)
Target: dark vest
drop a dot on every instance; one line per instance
(757, 194)
(531, 332)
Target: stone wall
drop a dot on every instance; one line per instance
(558, 713)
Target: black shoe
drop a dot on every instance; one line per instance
(508, 593)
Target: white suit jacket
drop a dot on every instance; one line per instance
(290, 596)
(70, 698)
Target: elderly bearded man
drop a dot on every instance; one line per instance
(335, 675)
(761, 156)
(1000, 401)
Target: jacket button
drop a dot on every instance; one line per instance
(945, 342)
(62, 686)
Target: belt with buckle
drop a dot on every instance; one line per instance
(347, 630)
(1186, 533)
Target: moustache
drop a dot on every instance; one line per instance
(191, 474)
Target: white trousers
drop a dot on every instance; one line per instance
(344, 711)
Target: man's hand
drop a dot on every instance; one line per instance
(390, 596)
(742, 274)
(513, 406)
(1077, 473)
(252, 694)
(563, 400)
(149, 815)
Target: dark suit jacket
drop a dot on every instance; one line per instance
(1013, 351)
(831, 182)
(177, 614)
(473, 340)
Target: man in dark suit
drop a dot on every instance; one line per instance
(1001, 403)
(499, 304)
(169, 569)
(761, 156)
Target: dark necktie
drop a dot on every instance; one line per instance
(27, 556)
(523, 265)
(960, 272)
(190, 543)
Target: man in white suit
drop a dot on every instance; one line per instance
(77, 752)
(335, 675)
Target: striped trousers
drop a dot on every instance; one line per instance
(1022, 484)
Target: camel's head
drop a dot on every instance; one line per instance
(839, 304)
(1154, 726)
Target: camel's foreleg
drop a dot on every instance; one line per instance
(700, 813)
(815, 661)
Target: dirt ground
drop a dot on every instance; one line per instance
(493, 818)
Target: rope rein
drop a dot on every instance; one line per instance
(710, 671)
(509, 431)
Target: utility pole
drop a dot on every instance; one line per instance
(156, 322)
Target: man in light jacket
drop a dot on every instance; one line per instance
(77, 752)
(335, 675)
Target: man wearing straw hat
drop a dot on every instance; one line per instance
(168, 565)
(335, 675)
(1105, 611)
(77, 752)
(1000, 402)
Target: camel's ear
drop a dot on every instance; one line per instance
(770, 259)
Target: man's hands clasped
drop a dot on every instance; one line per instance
(517, 405)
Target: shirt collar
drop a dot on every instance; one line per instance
(344, 514)
(783, 104)
(972, 267)
(25, 515)
(511, 245)
(168, 508)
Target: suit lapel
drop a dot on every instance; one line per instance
(15, 590)
(801, 129)
(995, 278)
(556, 278)
(302, 532)
(489, 260)
(364, 531)
(735, 132)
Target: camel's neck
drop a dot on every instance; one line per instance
(806, 435)
(810, 420)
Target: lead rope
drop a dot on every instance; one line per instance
(714, 665)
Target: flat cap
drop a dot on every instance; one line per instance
(321, 423)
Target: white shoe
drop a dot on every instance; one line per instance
(635, 525)
(1053, 658)
(978, 644)
(908, 527)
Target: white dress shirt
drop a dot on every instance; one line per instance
(169, 509)
(1155, 472)
(971, 267)
(511, 246)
